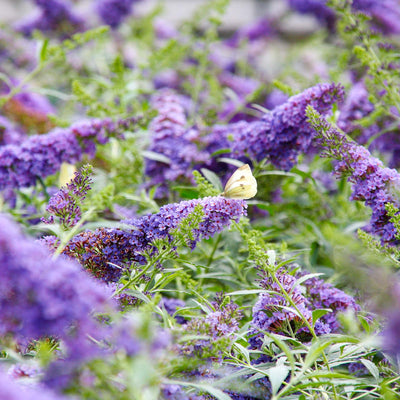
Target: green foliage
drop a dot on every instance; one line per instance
(204, 186)
(295, 223)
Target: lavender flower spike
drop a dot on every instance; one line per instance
(282, 134)
(372, 183)
(10, 389)
(113, 12)
(65, 204)
(171, 139)
(54, 16)
(42, 155)
(100, 250)
(40, 296)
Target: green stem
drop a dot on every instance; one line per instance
(70, 234)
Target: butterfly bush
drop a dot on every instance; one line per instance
(273, 312)
(52, 16)
(373, 183)
(114, 12)
(106, 253)
(391, 332)
(30, 110)
(261, 29)
(283, 133)
(9, 133)
(216, 329)
(169, 305)
(41, 155)
(40, 296)
(384, 14)
(65, 204)
(11, 389)
(171, 139)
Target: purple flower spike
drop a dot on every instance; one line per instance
(108, 252)
(372, 183)
(384, 14)
(41, 155)
(9, 134)
(282, 134)
(65, 204)
(114, 12)
(54, 16)
(171, 139)
(391, 333)
(273, 312)
(11, 390)
(40, 296)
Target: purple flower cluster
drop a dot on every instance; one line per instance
(391, 333)
(40, 296)
(30, 110)
(65, 204)
(114, 12)
(324, 295)
(385, 14)
(171, 139)
(10, 389)
(261, 29)
(106, 253)
(54, 16)
(171, 305)
(282, 134)
(322, 12)
(41, 155)
(273, 311)
(9, 134)
(355, 106)
(218, 325)
(372, 183)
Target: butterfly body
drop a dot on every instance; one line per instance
(241, 185)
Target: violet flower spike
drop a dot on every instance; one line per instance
(65, 204)
(52, 296)
(372, 183)
(173, 140)
(106, 253)
(41, 155)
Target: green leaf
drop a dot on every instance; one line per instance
(152, 155)
(231, 161)
(276, 376)
(306, 278)
(372, 368)
(244, 292)
(317, 314)
(43, 46)
(212, 177)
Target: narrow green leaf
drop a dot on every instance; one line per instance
(372, 368)
(317, 314)
(231, 161)
(152, 155)
(276, 376)
(212, 177)
(43, 46)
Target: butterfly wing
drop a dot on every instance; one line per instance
(241, 185)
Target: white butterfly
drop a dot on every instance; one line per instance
(241, 185)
